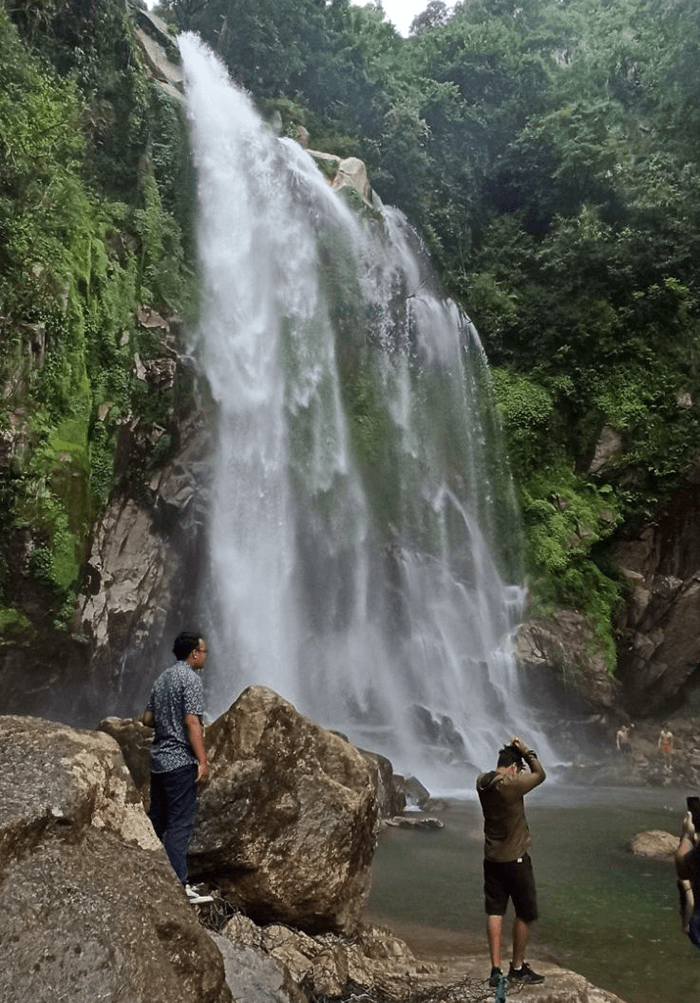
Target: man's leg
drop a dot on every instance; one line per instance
(494, 925)
(524, 896)
(181, 792)
(521, 933)
(158, 810)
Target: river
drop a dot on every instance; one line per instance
(606, 914)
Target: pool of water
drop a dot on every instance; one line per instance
(605, 913)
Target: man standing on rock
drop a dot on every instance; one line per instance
(507, 865)
(178, 756)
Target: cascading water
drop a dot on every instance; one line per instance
(362, 519)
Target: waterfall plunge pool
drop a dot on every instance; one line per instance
(606, 914)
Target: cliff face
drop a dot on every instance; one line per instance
(659, 643)
(104, 447)
(95, 216)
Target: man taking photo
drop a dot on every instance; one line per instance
(507, 865)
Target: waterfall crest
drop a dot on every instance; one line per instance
(364, 539)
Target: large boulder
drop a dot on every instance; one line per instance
(91, 908)
(289, 820)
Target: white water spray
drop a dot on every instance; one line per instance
(359, 494)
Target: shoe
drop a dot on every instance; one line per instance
(524, 975)
(195, 897)
(495, 977)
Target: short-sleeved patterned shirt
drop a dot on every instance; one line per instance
(176, 692)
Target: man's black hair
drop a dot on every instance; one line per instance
(185, 643)
(509, 755)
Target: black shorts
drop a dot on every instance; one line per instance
(512, 880)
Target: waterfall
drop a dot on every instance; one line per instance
(364, 540)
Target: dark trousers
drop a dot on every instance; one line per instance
(173, 806)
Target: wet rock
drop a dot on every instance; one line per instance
(289, 819)
(91, 908)
(159, 51)
(659, 645)
(414, 822)
(391, 791)
(608, 450)
(565, 644)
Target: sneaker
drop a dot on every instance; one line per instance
(524, 975)
(495, 977)
(195, 897)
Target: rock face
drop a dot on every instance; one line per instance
(91, 908)
(141, 570)
(289, 820)
(564, 642)
(659, 651)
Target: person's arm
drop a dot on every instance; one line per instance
(148, 719)
(686, 843)
(195, 735)
(687, 862)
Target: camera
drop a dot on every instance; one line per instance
(693, 803)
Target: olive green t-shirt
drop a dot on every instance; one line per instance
(506, 832)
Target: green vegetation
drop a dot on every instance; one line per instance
(546, 151)
(85, 239)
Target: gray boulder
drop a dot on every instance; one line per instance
(91, 908)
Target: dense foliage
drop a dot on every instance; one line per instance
(546, 150)
(85, 238)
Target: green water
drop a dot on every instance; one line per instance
(606, 914)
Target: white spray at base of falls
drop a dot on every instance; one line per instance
(359, 494)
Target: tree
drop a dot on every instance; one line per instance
(435, 15)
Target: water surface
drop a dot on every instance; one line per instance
(605, 913)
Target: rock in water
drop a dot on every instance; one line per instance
(289, 819)
(91, 908)
(654, 843)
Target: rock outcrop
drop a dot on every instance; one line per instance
(141, 570)
(289, 819)
(563, 653)
(659, 650)
(91, 908)
(323, 965)
(159, 50)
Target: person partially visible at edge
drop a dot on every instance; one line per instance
(507, 866)
(178, 755)
(665, 746)
(687, 858)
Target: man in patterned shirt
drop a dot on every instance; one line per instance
(178, 756)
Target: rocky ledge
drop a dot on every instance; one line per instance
(284, 841)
